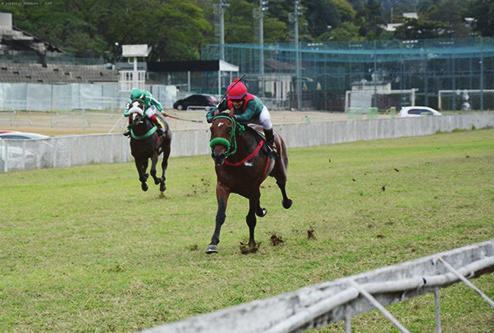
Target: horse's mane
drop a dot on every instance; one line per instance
(254, 129)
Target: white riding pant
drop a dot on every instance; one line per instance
(150, 111)
(265, 119)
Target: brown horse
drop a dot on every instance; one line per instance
(241, 167)
(146, 144)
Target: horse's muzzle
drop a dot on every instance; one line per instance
(218, 155)
(218, 159)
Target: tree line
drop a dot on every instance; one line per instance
(177, 29)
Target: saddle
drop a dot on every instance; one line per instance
(257, 131)
(259, 135)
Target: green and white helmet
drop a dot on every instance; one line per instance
(137, 94)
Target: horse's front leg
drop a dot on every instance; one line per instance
(141, 166)
(251, 220)
(222, 194)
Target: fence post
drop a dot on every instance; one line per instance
(437, 311)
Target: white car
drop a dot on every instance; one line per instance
(16, 135)
(418, 111)
(18, 157)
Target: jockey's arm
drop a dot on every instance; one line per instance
(247, 114)
(156, 103)
(223, 105)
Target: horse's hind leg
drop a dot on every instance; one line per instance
(164, 165)
(280, 174)
(141, 166)
(260, 211)
(154, 161)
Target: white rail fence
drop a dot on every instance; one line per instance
(73, 96)
(66, 151)
(319, 305)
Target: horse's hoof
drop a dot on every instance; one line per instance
(162, 187)
(212, 249)
(287, 203)
(261, 212)
(156, 181)
(144, 187)
(249, 248)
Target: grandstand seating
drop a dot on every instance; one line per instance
(56, 73)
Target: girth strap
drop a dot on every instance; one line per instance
(248, 157)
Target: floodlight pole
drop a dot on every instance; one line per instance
(297, 13)
(221, 7)
(263, 6)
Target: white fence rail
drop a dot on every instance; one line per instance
(319, 305)
(66, 151)
(73, 96)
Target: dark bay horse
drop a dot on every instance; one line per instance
(146, 144)
(241, 167)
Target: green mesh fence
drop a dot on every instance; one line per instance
(387, 70)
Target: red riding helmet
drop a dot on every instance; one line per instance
(236, 90)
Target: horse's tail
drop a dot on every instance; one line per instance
(282, 151)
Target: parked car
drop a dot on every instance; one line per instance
(418, 111)
(18, 157)
(196, 101)
(16, 135)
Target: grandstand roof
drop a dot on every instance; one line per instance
(192, 66)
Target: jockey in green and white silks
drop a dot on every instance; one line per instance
(247, 108)
(151, 107)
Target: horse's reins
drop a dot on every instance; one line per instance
(178, 118)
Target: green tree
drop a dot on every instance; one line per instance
(347, 31)
(371, 20)
(450, 13)
(482, 11)
(323, 15)
(421, 29)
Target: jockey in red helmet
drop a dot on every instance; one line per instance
(249, 109)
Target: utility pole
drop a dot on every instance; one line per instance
(221, 8)
(263, 7)
(297, 11)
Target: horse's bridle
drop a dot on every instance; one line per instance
(231, 142)
(137, 109)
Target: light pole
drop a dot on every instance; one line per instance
(297, 11)
(221, 7)
(263, 7)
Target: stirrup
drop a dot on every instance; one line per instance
(273, 152)
(270, 150)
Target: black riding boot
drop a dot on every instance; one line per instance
(127, 132)
(159, 127)
(268, 133)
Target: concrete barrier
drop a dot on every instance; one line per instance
(66, 151)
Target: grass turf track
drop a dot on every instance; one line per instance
(83, 249)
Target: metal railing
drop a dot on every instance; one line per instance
(319, 305)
